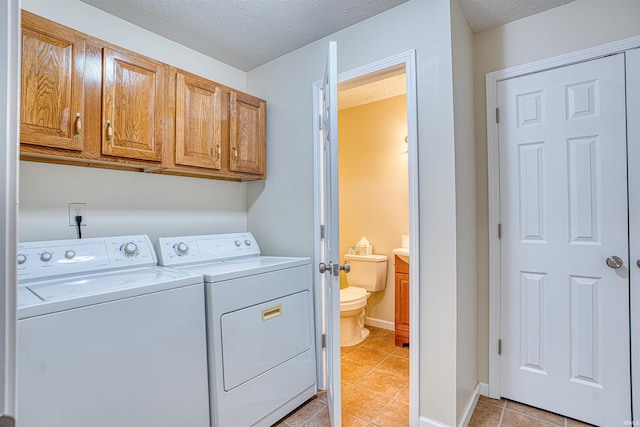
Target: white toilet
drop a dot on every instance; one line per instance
(368, 274)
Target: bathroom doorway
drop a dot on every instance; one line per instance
(374, 207)
(391, 67)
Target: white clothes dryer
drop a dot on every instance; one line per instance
(259, 326)
(107, 338)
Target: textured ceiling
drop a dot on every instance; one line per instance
(244, 33)
(375, 90)
(485, 14)
(248, 33)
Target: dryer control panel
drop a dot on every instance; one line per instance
(58, 258)
(183, 250)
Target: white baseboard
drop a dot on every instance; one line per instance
(469, 408)
(482, 389)
(384, 324)
(428, 422)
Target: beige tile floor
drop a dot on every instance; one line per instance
(375, 387)
(375, 393)
(507, 413)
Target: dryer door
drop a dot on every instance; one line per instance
(258, 338)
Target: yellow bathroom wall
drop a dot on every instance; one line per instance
(374, 188)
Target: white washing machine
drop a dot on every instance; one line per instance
(108, 338)
(259, 326)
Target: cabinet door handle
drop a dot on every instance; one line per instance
(78, 125)
(235, 154)
(218, 151)
(109, 132)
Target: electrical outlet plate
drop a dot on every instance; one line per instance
(77, 209)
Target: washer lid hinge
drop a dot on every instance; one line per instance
(324, 340)
(497, 115)
(322, 231)
(500, 347)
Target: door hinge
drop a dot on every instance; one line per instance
(499, 231)
(322, 231)
(500, 347)
(320, 121)
(324, 340)
(497, 115)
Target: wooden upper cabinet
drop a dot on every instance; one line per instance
(132, 105)
(198, 122)
(87, 102)
(247, 133)
(52, 94)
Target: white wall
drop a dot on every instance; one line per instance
(122, 202)
(467, 290)
(575, 26)
(283, 206)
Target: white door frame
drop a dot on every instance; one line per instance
(9, 119)
(408, 59)
(493, 156)
(632, 59)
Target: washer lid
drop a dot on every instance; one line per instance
(84, 290)
(352, 293)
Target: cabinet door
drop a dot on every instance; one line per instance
(52, 94)
(198, 122)
(132, 103)
(402, 301)
(247, 133)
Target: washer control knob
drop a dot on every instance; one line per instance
(46, 256)
(130, 249)
(237, 242)
(247, 242)
(181, 248)
(22, 258)
(70, 254)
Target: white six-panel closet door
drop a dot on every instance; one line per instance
(564, 247)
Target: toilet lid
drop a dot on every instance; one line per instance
(352, 293)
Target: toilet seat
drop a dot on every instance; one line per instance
(352, 298)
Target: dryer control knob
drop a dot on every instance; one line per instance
(130, 249)
(69, 254)
(181, 248)
(247, 242)
(46, 256)
(22, 258)
(237, 242)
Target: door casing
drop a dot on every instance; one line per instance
(9, 120)
(408, 59)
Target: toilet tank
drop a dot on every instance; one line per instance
(367, 271)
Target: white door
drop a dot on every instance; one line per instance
(331, 247)
(633, 132)
(9, 47)
(563, 196)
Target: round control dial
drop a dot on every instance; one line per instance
(70, 254)
(46, 256)
(181, 248)
(130, 249)
(247, 242)
(22, 258)
(238, 243)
